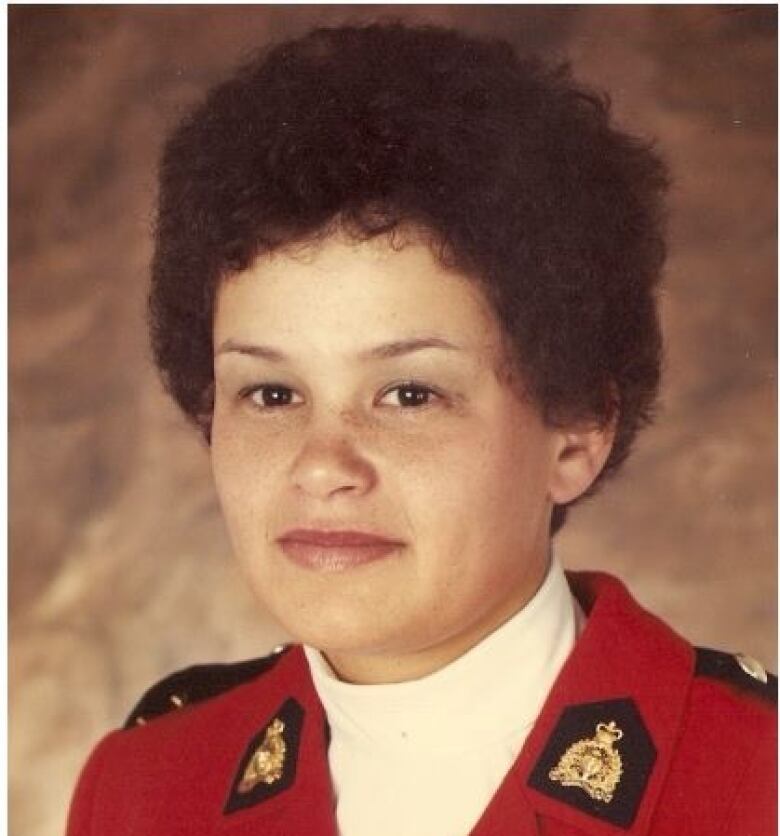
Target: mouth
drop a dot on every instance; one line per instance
(335, 551)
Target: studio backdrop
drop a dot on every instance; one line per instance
(120, 567)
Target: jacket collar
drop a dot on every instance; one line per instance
(301, 799)
(625, 659)
(631, 661)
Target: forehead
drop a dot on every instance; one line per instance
(342, 295)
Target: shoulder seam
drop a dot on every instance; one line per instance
(196, 684)
(725, 668)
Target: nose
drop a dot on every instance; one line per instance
(330, 464)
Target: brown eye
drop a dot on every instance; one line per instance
(411, 395)
(271, 395)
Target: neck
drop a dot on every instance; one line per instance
(384, 668)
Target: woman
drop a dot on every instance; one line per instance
(404, 284)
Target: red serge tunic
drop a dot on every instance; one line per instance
(640, 734)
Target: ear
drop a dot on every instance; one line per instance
(581, 453)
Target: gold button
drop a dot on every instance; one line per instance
(177, 700)
(279, 649)
(751, 666)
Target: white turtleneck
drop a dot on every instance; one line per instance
(426, 756)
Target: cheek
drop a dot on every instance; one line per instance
(245, 469)
(479, 506)
(478, 473)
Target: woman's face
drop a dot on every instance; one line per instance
(356, 390)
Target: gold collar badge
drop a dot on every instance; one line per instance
(267, 763)
(592, 764)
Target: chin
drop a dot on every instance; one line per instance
(334, 625)
(345, 630)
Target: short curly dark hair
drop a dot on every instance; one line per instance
(512, 165)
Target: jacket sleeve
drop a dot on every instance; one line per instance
(754, 811)
(84, 798)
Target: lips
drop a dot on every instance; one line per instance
(319, 537)
(331, 550)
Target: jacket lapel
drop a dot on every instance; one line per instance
(597, 756)
(607, 728)
(281, 783)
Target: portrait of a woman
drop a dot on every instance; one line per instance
(405, 285)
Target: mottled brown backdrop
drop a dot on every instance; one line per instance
(120, 568)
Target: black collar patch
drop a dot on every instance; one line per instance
(598, 759)
(268, 765)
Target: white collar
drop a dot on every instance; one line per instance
(493, 692)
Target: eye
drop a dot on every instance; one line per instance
(410, 395)
(270, 396)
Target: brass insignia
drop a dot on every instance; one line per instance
(592, 764)
(267, 762)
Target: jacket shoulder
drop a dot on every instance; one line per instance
(721, 776)
(196, 684)
(739, 673)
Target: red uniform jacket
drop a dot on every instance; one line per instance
(641, 734)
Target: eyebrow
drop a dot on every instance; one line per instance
(384, 351)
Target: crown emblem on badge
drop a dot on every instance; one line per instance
(592, 764)
(267, 763)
